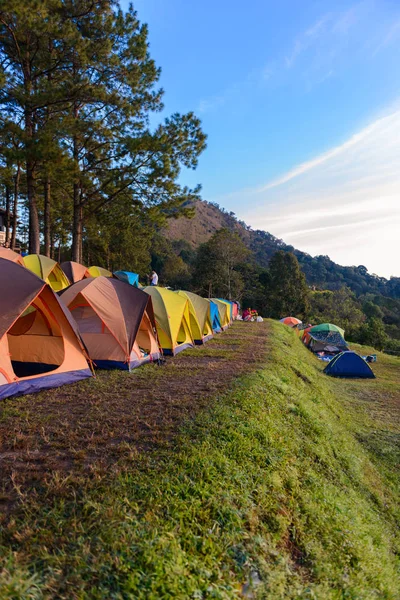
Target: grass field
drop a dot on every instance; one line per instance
(236, 470)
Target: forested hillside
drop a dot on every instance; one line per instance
(320, 271)
(215, 253)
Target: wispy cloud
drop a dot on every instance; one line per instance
(344, 203)
(306, 39)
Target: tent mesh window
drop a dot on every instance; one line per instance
(35, 342)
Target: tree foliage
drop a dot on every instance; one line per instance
(78, 87)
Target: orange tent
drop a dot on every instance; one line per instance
(9, 254)
(291, 321)
(75, 271)
(116, 322)
(40, 346)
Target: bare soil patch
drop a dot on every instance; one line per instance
(87, 427)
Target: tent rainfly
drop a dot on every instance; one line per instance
(215, 319)
(40, 346)
(172, 316)
(99, 272)
(350, 365)
(75, 271)
(116, 322)
(200, 319)
(224, 312)
(325, 338)
(291, 321)
(9, 254)
(47, 269)
(128, 277)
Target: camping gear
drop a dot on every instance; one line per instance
(115, 320)
(127, 277)
(291, 321)
(349, 364)
(200, 319)
(223, 311)
(9, 254)
(40, 346)
(99, 272)
(214, 316)
(75, 271)
(172, 317)
(47, 269)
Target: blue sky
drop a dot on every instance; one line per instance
(301, 104)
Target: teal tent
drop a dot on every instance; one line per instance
(128, 277)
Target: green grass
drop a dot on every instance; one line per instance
(284, 486)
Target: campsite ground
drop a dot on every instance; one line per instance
(235, 469)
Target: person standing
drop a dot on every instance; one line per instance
(153, 278)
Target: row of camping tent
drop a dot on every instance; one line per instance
(327, 341)
(48, 339)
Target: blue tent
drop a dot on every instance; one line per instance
(349, 364)
(215, 320)
(128, 277)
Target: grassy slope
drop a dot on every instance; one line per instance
(290, 481)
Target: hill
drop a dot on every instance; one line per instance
(320, 271)
(280, 479)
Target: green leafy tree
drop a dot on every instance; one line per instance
(340, 307)
(286, 289)
(217, 271)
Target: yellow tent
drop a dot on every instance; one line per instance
(47, 269)
(172, 316)
(224, 313)
(228, 308)
(200, 319)
(99, 272)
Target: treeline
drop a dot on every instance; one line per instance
(82, 171)
(225, 267)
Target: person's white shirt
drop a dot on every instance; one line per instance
(154, 279)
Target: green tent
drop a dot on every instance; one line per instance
(326, 327)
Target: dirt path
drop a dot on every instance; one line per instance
(86, 427)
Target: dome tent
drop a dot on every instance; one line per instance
(47, 269)
(115, 320)
(128, 277)
(223, 311)
(172, 317)
(229, 308)
(40, 346)
(291, 321)
(9, 254)
(75, 271)
(99, 272)
(215, 318)
(326, 337)
(349, 364)
(200, 319)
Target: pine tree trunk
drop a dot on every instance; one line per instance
(47, 217)
(8, 211)
(34, 230)
(77, 208)
(15, 207)
(77, 226)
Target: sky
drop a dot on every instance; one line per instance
(301, 105)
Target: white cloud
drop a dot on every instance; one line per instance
(344, 203)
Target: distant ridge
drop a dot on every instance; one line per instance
(320, 271)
